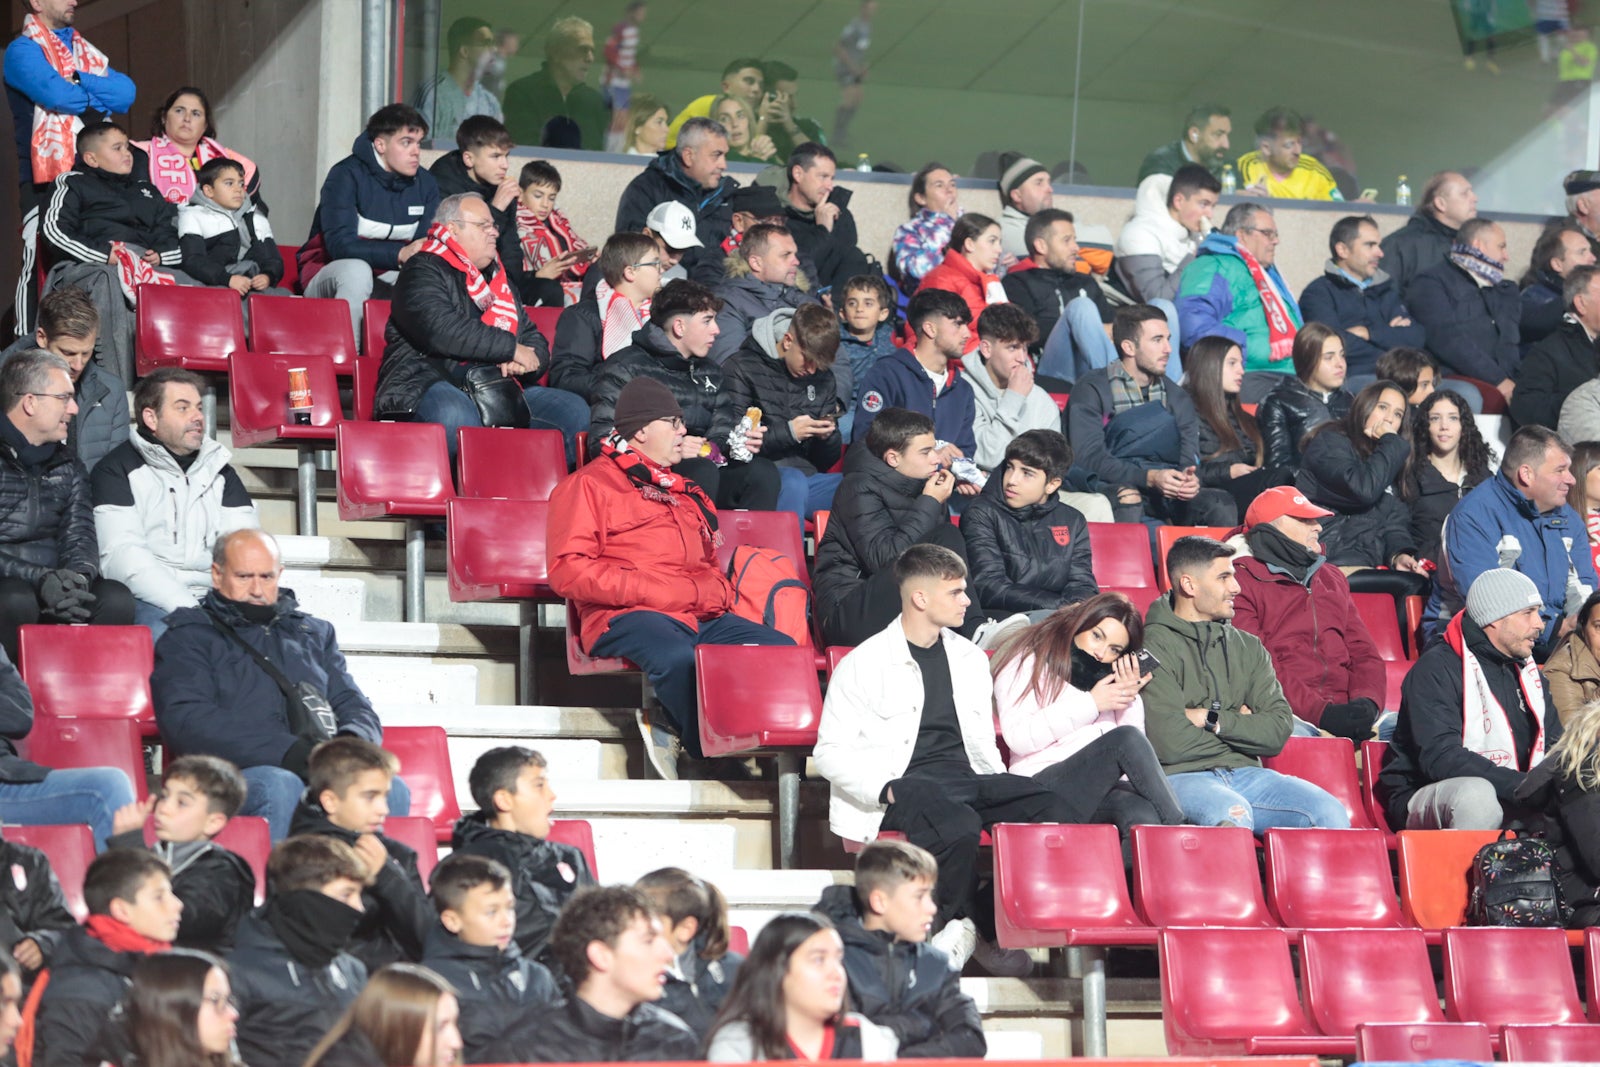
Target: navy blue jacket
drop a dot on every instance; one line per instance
(898, 381)
(31, 80)
(495, 988)
(1542, 306)
(1472, 330)
(1334, 300)
(366, 212)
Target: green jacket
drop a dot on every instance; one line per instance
(1203, 662)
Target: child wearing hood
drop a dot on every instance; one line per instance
(224, 239)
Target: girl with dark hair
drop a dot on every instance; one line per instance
(405, 1017)
(919, 243)
(1350, 467)
(1314, 395)
(182, 140)
(1573, 670)
(180, 1012)
(1584, 496)
(694, 917)
(968, 270)
(788, 1001)
(1230, 442)
(1448, 457)
(1067, 695)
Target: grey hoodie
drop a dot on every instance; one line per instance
(1001, 414)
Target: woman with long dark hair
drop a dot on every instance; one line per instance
(919, 242)
(788, 1001)
(1314, 395)
(1448, 457)
(405, 1017)
(694, 918)
(180, 1012)
(1067, 695)
(182, 140)
(968, 269)
(1230, 442)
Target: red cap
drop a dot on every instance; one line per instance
(1279, 501)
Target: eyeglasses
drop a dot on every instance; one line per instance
(675, 421)
(485, 225)
(65, 398)
(220, 1001)
(1271, 235)
(656, 263)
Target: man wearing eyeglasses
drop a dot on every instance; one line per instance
(49, 558)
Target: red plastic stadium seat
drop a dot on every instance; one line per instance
(579, 661)
(1433, 875)
(249, 837)
(777, 530)
(756, 698)
(424, 757)
(1498, 975)
(495, 549)
(1552, 1043)
(53, 661)
(1330, 878)
(1494, 402)
(1591, 964)
(415, 831)
(70, 850)
(1166, 536)
(835, 654)
(364, 387)
(1230, 992)
(192, 326)
(544, 320)
(1394, 675)
(374, 320)
(1329, 762)
(1061, 400)
(61, 743)
(258, 386)
(1198, 876)
(291, 268)
(739, 940)
(579, 834)
(1377, 611)
(1372, 753)
(510, 464)
(301, 324)
(392, 469)
(819, 525)
(1142, 596)
(1352, 977)
(1414, 1042)
(1062, 885)
(1122, 555)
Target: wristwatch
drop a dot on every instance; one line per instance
(1213, 720)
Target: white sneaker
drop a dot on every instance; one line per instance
(989, 634)
(1002, 962)
(957, 940)
(661, 748)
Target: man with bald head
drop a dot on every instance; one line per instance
(1470, 309)
(216, 695)
(1446, 201)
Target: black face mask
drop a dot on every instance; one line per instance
(313, 926)
(1086, 670)
(257, 613)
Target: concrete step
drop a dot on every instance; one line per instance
(571, 760)
(338, 600)
(525, 721)
(394, 679)
(1013, 1045)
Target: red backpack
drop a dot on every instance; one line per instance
(768, 590)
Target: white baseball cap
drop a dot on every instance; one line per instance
(674, 224)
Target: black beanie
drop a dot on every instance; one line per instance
(642, 401)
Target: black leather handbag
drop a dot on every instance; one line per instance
(499, 398)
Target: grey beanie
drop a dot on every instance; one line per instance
(1501, 592)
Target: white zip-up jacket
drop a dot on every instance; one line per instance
(871, 717)
(156, 522)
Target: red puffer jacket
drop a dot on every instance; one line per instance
(611, 551)
(957, 275)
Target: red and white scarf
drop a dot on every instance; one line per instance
(662, 484)
(1281, 324)
(546, 239)
(133, 271)
(55, 134)
(491, 295)
(618, 319)
(172, 170)
(1485, 725)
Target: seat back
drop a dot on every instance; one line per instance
(416, 832)
(739, 940)
(1498, 975)
(544, 320)
(578, 833)
(777, 530)
(1329, 762)
(1394, 676)
(53, 660)
(364, 387)
(1414, 1042)
(196, 326)
(300, 324)
(1551, 1043)
(63, 743)
(250, 838)
(1221, 987)
(1377, 611)
(392, 468)
(755, 698)
(1591, 970)
(1372, 753)
(1052, 880)
(424, 756)
(1357, 976)
(258, 387)
(496, 548)
(1433, 874)
(510, 464)
(835, 654)
(1166, 536)
(1197, 876)
(374, 320)
(1330, 878)
(70, 850)
(1121, 553)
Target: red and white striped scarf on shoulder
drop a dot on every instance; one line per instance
(491, 295)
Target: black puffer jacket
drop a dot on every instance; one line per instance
(1431, 496)
(662, 180)
(905, 986)
(1045, 292)
(1290, 412)
(834, 251)
(544, 875)
(1414, 247)
(217, 888)
(451, 172)
(1472, 329)
(16, 722)
(432, 322)
(495, 988)
(877, 514)
(1370, 525)
(1214, 465)
(1549, 373)
(575, 356)
(757, 377)
(573, 1032)
(1026, 559)
(695, 383)
(285, 1006)
(46, 517)
(31, 904)
(87, 980)
(91, 208)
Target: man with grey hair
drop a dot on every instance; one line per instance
(1446, 201)
(1471, 311)
(1233, 289)
(1555, 367)
(49, 559)
(692, 174)
(247, 676)
(557, 90)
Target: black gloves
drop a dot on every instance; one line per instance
(65, 595)
(1353, 720)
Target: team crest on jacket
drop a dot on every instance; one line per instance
(1062, 534)
(811, 392)
(873, 401)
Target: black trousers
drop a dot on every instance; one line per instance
(1089, 783)
(19, 606)
(751, 486)
(946, 815)
(874, 604)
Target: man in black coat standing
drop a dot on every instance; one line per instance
(1471, 311)
(1566, 359)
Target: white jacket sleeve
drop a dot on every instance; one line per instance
(125, 558)
(841, 741)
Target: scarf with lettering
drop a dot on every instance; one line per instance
(1282, 318)
(618, 319)
(172, 170)
(660, 483)
(133, 271)
(55, 135)
(491, 295)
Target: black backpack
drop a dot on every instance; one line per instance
(1513, 883)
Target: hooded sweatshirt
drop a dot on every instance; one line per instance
(219, 244)
(368, 212)
(1153, 248)
(1000, 414)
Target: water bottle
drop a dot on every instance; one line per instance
(1230, 181)
(1402, 192)
(863, 163)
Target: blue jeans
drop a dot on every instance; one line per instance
(69, 796)
(664, 649)
(1078, 343)
(1256, 799)
(148, 615)
(273, 793)
(805, 494)
(551, 409)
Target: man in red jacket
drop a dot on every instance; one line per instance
(1300, 608)
(633, 547)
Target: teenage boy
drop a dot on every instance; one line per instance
(472, 948)
(922, 379)
(511, 786)
(482, 165)
(897, 979)
(347, 797)
(894, 494)
(291, 977)
(1007, 398)
(598, 325)
(199, 794)
(224, 239)
(609, 944)
(1028, 551)
(132, 912)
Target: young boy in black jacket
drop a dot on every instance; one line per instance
(225, 240)
(1027, 551)
(472, 948)
(512, 788)
(897, 979)
(199, 794)
(347, 797)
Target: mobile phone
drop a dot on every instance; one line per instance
(835, 412)
(1369, 194)
(584, 255)
(1147, 662)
